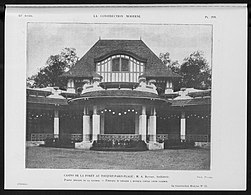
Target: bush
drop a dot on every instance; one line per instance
(178, 144)
(122, 145)
(66, 142)
(51, 142)
(59, 142)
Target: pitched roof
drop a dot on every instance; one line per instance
(200, 93)
(85, 67)
(191, 102)
(44, 100)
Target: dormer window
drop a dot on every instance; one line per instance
(120, 68)
(120, 65)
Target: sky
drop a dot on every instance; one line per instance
(45, 39)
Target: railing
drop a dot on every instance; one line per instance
(119, 137)
(161, 137)
(198, 137)
(136, 137)
(73, 137)
(41, 136)
(189, 137)
(44, 136)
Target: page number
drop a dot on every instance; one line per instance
(210, 17)
(25, 15)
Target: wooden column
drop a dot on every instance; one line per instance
(86, 125)
(56, 124)
(152, 125)
(95, 124)
(143, 124)
(183, 126)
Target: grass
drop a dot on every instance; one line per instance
(61, 158)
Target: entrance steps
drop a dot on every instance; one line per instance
(155, 146)
(150, 146)
(86, 145)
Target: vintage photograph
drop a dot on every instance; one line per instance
(118, 96)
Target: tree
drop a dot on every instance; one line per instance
(196, 72)
(55, 66)
(165, 58)
(69, 56)
(174, 66)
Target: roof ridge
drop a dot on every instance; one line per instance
(120, 40)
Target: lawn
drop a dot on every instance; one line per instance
(61, 158)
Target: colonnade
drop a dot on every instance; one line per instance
(144, 125)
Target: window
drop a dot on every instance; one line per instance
(120, 65)
(70, 83)
(124, 64)
(115, 64)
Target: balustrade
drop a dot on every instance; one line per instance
(44, 136)
(119, 137)
(197, 137)
(161, 137)
(189, 137)
(124, 137)
(41, 136)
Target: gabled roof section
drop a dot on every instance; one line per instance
(44, 100)
(191, 102)
(85, 67)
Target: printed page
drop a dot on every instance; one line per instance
(126, 97)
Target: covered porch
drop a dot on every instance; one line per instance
(122, 118)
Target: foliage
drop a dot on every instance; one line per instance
(59, 143)
(174, 66)
(55, 66)
(119, 145)
(178, 144)
(69, 56)
(165, 58)
(194, 70)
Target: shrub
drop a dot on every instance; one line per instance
(66, 142)
(50, 142)
(178, 144)
(123, 145)
(63, 142)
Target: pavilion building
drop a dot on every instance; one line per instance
(119, 90)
